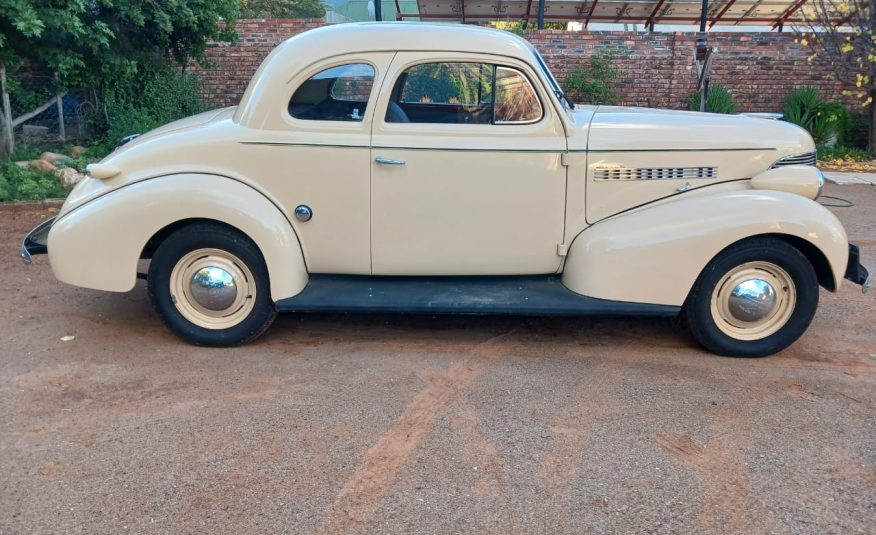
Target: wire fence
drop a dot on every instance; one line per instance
(43, 118)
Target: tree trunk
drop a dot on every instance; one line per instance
(871, 131)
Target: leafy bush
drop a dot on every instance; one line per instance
(18, 184)
(595, 83)
(720, 100)
(842, 153)
(140, 102)
(824, 120)
(282, 9)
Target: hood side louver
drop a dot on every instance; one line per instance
(655, 173)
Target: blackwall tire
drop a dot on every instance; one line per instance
(754, 299)
(209, 285)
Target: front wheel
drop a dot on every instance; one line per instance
(209, 284)
(754, 299)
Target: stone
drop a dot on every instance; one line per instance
(56, 158)
(43, 165)
(24, 164)
(77, 151)
(69, 176)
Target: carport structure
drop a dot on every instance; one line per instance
(707, 13)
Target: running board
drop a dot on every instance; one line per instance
(542, 295)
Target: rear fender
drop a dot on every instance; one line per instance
(655, 254)
(97, 245)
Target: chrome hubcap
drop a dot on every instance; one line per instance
(752, 300)
(213, 288)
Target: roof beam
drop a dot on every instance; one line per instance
(590, 15)
(653, 14)
(720, 14)
(621, 11)
(750, 11)
(787, 14)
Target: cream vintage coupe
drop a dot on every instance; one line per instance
(441, 169)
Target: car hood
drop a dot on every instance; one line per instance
(615, 128)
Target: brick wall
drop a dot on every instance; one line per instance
(758, 68)
(232, 66)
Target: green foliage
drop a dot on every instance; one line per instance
(85, 40)
(519, 26)
(720, 100)
(807, 108)
(137, 104)
(17, 184)
(841, 152)
(282, 9)
(596, 82)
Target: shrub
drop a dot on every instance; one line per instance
(720, 100)
(143, 101)
(826, 121)
(18, 184)
(596, 82)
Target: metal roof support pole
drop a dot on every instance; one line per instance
(378, 10)
(703, 58)
(540, 14)
(704, 15)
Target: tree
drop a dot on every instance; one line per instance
(843, 33)
(282, 9)
(94, 43)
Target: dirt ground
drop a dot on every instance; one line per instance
(401, 424)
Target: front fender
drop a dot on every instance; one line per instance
(97, 245)
(655, 254)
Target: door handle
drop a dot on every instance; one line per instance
(388, 161)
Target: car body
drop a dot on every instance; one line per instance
(439, 168)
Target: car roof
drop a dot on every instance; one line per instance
(416, 36)
(306, 48)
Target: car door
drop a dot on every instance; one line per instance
(317, 159)
(466, 172)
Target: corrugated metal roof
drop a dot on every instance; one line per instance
(775, 13)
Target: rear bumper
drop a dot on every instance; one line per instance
(35, 241)
(855, 272)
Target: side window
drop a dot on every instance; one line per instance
(516, 101)
(335, 94)
(462, 93)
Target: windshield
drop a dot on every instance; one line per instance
(555, 86)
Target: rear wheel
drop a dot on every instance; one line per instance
(754, 299)
(209, 284)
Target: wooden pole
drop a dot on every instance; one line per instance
(7, 111)
(62, 132)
